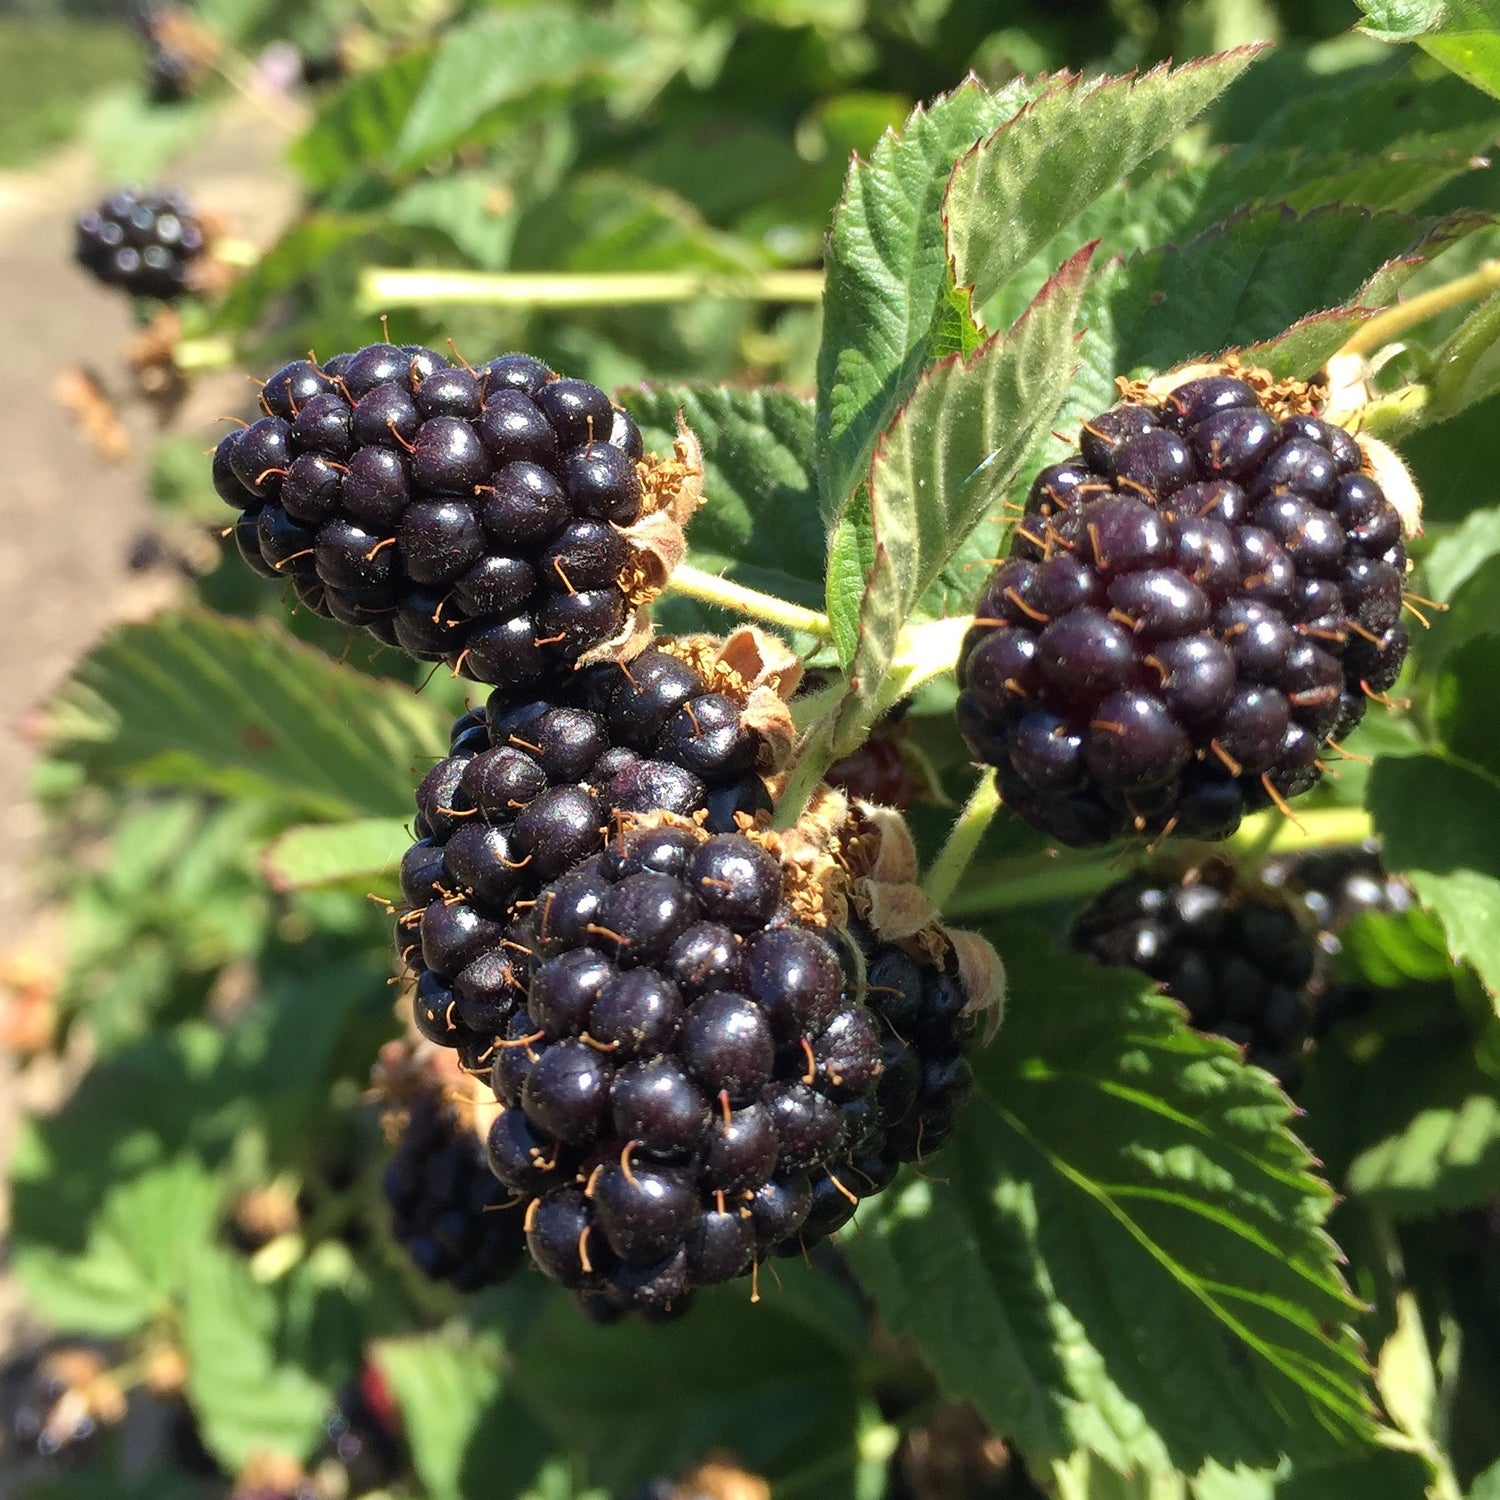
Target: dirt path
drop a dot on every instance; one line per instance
(67, 519)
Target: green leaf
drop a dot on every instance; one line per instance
(1007, 198)
(465, 1435)
(497, 60)
(127, 1269)
(1447, 1155)
(764, 1381)
(607, 221)
(1463, 572)
(471, 208)
(363, 121)
(1467, 367)
(1486, 1486)
(760, 526)
(1463, 35)
(1123, 1250)
(244, 710)
(246, 1397)
(887, 270)
(1436, 819)
(947, 461)
(366, 850)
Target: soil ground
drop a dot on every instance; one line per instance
(67, 518)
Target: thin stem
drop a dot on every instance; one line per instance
(1394, 321)
(963, 839)
(204, 354)
(813, 757)
(695, 583)
(1272, 831)
(383, 287)
(809, 708)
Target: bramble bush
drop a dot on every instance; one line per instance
(1219, 1218)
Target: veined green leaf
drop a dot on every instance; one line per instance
(1463, 35)
(887, 269)
(1123, 1250)
(1008, 197)
(760, 525)
(498, 59)
(244, 709)
(946, 462)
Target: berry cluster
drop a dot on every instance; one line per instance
(530, 787)
(683, 1074)
(473, 516)
(1190, 610)
(449, 1213)
(1246, 962)
(144, 243)
(925, 1078)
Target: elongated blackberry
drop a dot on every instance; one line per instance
(1246, 960)
(482, 517)
(1191, 609)
(143, 243)
(533, 787)
(679, 1080)
(447, 1211)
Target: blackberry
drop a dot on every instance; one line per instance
(480, 517)
(143, 243)
(1246, 961)
(1190, 611)
(455, 1221)
(532, 787)
(922, 1028)
(667, 1122)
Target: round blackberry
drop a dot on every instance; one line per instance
(531, 788)
(666, 1121)
(1189, 612)
(1239, 962)
(481, 516)
(1246, 961)
(143, 243)
(456, 1222)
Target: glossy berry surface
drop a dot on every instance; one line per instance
(663, 1108)
(1190, 611)
(473, 516)
(143, 243)
(532, 788)
(447, 1211)
(1246, 962)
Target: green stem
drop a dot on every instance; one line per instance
(1272, 831)
(695, 583)
(963, 839)
(382, 287)
(204, 354)
(813, 757)
(1031, 880)
(1386, 326)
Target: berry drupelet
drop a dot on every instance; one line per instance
(534, 785)
(686, 1071)
(475, 516)
(453, 1219)
(143, 243)
(1247, 961)
(1191, 609)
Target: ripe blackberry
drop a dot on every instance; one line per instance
(1190, 610)
(685, 1063)
(532, 787)
(482, 517)
(144, 243)
(1247, 961)
(447, 1211)
(922, 1028)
